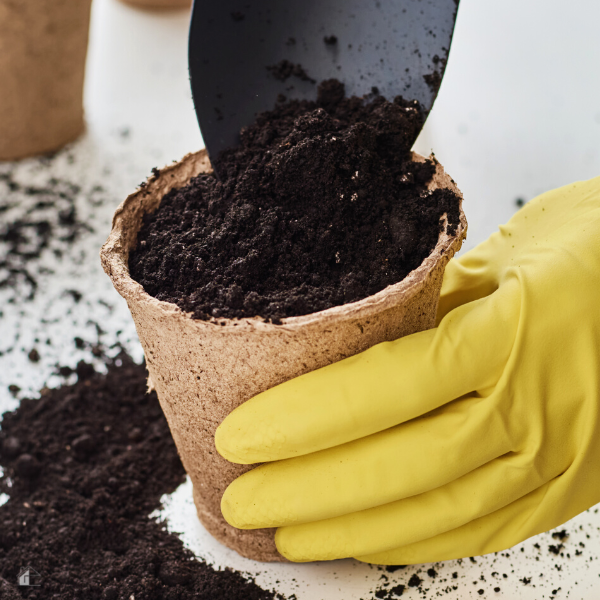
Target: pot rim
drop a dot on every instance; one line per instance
(115, 256)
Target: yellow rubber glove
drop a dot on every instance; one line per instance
(458, 441)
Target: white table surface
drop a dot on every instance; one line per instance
(518, 113)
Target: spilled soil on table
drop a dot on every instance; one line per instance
(84, 465)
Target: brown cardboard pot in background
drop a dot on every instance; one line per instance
(159, 3)
(43, 46)
(203, 370)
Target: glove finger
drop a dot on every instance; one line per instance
(384, 528)
(397, 463)
(386, 385)
(492, 533)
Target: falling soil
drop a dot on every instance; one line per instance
(84, 466)
(319, 205)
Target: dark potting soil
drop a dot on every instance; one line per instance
(320, 205)
(84, 466)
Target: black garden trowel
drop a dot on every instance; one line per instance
(244, 54)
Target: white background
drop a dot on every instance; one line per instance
(518, 113)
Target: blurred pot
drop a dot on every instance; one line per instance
(43, 47)
(159, 3)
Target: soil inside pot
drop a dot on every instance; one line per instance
(320, 205)
(84, 466)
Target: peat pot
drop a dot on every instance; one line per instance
(202, 370)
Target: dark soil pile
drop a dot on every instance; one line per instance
(319, 205)
(84, 466)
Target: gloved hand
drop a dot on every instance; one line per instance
(458, 441)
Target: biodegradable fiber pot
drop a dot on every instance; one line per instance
(202, 370)
(43, 46)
